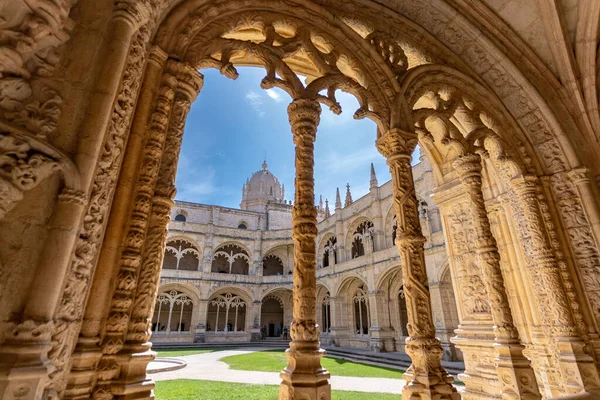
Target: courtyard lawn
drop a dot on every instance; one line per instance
(183, 352)
(192, 389)
(275, 361)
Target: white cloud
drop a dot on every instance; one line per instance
(256, 101)
(272, 93)
(194, 182)
(335, 162)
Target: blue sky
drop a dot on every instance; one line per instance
(233, 124)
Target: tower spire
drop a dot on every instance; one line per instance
(348, 196)
(327, 212)
(321, 202)
(373, 184)
(338, 199)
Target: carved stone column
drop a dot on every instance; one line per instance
(135, 353)
(578, 371)
(104, 136)
(426, 378)
(23, 355)
(128, 269)
(514, 371)
(87, 352)
(304, 378)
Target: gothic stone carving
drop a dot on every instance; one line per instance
(21, 169)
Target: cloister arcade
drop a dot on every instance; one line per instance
(503, 103)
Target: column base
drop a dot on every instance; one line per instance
(515, 374)
(577, 366)
(304, 378)
(426, 378)
(24, 365)
(133, 382)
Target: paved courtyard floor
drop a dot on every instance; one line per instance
(207, 366)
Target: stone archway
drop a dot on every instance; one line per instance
(115, 273)
(271, 316)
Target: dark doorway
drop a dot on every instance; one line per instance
(271, 330)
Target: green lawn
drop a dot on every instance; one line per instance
(191, 389)
(275, 361)
(183, 352)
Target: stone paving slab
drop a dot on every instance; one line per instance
(207, 367)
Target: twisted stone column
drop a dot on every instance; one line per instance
(426, 377)
(135, 354)
(577, 369)
(304, 378)
(514, 371)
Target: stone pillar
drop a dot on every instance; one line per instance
(514, 371)
(207, 257)
(378, 221)
(578, 371)
(201, 314)
(382, 336)
(304, 378)
(24, 353)
(64, 277)
(340, 236)
(426, 378)
(254, 328)
(338, 321)
(135, 353)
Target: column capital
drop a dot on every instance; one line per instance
(579, 175)
(189, 80)
(469, 168)
(135, 13)
(304, 116)
(397, 143)
(157, 56)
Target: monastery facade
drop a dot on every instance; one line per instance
(227, 273)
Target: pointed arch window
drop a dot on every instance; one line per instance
(326, 313)
(330, 253)
(362, 239)
(361, 312)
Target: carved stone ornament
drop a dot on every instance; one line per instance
(21, 169)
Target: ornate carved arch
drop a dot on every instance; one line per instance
(333, 54)
(472, 109)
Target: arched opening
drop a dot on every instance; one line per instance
(362, 239)
(329, 257)
(172, 314)
(181, 254)
(180, 218)
(362, 323)
(326, 314)
(272, 265)
(230, 259)
(226, 315)
(271, 316)
(357, 49)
